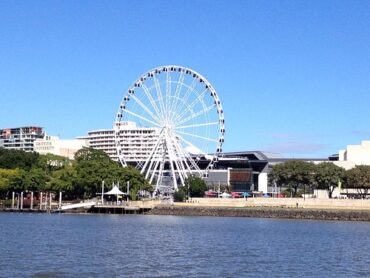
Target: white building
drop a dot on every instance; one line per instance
(54, 145)
(136, 142)
(354, 155)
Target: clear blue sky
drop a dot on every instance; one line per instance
(293, 76)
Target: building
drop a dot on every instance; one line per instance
(248, 170)
(136, 142)
(20, 138)
(354, 155)
(54, 145)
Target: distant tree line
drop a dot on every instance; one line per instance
(79, 178)
(299, 177)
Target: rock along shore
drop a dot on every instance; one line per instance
(261, 212)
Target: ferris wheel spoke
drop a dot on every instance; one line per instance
(189, 108)
(197, 114)
(159, 95)
(168, 93)
(196, 125)
(198, 99)
(188, 93)
(145, 108)
(197, 136)
(141, 117)
(151, 99)
(191, 144)
(176, 97)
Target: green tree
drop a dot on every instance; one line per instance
(12, 159)
(359, 179)
(64, 180)
(180, 195)
(294, 175)
(328, 176)
(196, 186)
(91, 154)
(35, 180)
(51, 162)
(17, 182)
(94, 166)
(6, 175)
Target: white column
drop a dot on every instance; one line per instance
(13, 197)
(31, 206)
(262, 182)
(40, 200)
(60, 200)
(102, 193)
(22, 200)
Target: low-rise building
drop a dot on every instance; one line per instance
(54, 145)
(354, 155)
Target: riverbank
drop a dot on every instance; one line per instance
(262, 212)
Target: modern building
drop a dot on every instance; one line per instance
(20, 138)
(54, 145)
(248, 170)
(136, 142)
(354, 155)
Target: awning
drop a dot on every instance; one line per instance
(115, 191)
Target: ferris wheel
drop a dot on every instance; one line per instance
(169, 120)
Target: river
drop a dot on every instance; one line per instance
(72, 245)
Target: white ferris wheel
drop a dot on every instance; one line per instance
(172, 118)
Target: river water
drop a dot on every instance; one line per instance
(67, 245)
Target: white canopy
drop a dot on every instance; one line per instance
(115, 191)
(225, 195)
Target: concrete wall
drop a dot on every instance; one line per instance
(280, 202)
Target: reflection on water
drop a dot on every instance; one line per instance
(44, 245)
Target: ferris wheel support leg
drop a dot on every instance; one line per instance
(152, 152)
(154, 171)
(159, 180)
(183, 162)
(152, 159)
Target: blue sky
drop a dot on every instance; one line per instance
(293, 76)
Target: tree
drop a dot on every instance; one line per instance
(35, 179)
(12, 159)
(6, 175)
(91, 154)
(64, 180)
(293, 174)
(358, 178)
(327, 176)
(94, 166)
(52, 162)
(196, 186)
(17, 181)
